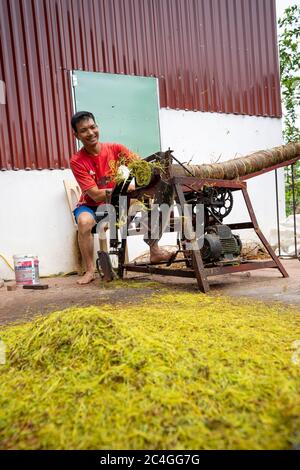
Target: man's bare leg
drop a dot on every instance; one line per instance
(86, 244)
(158, 255)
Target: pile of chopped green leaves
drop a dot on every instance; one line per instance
(180, 371)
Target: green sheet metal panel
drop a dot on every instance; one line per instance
(125, 107)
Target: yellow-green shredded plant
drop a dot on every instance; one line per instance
(178, 371)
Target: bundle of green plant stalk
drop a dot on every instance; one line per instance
(137, 168)
(140, 170)
(242, 166)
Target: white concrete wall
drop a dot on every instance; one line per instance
(208, 137)
(35, 218)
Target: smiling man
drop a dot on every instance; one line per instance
(90, 166)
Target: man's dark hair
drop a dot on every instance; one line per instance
(81, 116)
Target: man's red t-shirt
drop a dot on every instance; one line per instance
(93, 170)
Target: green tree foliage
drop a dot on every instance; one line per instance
(289, 51)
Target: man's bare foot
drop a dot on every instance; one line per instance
(158, 255)
(88, 277)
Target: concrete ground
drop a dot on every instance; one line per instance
(266, 285)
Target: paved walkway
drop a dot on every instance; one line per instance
(266, 285)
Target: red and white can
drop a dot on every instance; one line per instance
(26, 269)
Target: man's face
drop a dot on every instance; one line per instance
(87, 132)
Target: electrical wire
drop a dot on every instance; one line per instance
(8, 264)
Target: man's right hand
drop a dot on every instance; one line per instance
(99, 195)
(108, 193)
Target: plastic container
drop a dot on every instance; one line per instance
(26, 269)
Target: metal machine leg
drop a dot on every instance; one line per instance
(260, 234)
(196, 253)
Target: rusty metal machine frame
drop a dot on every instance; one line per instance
(197, 270)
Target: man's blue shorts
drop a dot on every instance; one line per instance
(90, 209)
